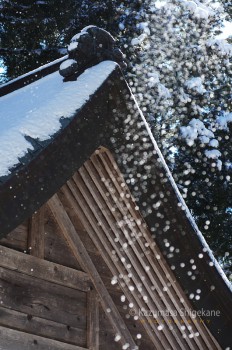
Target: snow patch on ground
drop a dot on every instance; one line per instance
(36, 109)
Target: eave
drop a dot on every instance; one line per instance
(110, 119)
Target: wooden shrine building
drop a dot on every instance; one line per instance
(98, 249)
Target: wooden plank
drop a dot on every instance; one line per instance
(136, 252)
(160, 267)
(36, 234)
(155, 274)
(92, 321)
(108, 234)
(119, 205)
(93, 252)
(42, 299)
(135, 327)
(11, 339)
(39, 326)
(88, 243)
(17, 239)
(94, 230)
(44, 270)
(81, 254)
(56, 248)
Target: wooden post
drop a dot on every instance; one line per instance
(36, 234)
(92, 321)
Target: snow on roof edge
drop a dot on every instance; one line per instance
(35, 110)
(58, 60)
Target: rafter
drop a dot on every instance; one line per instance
(79, 251)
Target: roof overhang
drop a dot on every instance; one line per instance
(111, 118)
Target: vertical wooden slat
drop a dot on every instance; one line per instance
(36, 234)
(110, 221)
(83, 257)
(117, 179)
(120, 205)
(94, 230)
(139, 245)
(92, 320)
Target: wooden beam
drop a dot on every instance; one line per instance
(92, 320)
(136, 253)
(27, 323)
(119, 204)
(44, 270)
(83, 257)
(42, 299)
(36, 234)
(18, 238)
(82, 211)
(159, 266)
(108, 232)
(14, 340)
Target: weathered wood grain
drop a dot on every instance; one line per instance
(42, 299)
(88, 243)
(79, 250)
(41, 327)
(11, 339)
(36, 234)
(115, 206)
(56, 248)
(44, 270)
(95, 231)
(114, 212)
(92, 321)
(160, 269)
(17, 239)
(106, 239)
(91, 248)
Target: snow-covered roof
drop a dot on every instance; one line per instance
(36, 71)
(35, 111)
(109, 118)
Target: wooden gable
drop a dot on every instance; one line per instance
(102, 239)
(85, 271)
